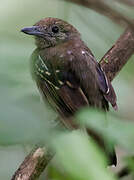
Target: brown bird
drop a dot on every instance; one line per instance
(67, 73)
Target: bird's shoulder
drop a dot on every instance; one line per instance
(71, 50)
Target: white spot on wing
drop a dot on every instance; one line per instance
(48, 73)
(60, 82)
(69, 52)
(62, 55)
(83, 52)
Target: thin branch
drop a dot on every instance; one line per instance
(33, 165)
(114, 60)
(105, 8)
(127, 2)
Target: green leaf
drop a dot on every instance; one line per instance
(80, 157)
(111, 128)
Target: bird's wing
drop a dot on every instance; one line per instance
(91, 76)
(64, 94)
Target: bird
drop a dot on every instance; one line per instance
(67, 74)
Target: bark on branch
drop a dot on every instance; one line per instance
(106, 8)
(114, 60)
(33, 165)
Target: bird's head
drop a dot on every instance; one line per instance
(50, 32)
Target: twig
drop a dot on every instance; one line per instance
(127, 2)
(105, 8)
(33, 165)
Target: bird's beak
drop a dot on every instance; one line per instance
(33, 30)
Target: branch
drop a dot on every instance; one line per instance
(33, 165)
(105, 8)
(127, 2)
(114, 60)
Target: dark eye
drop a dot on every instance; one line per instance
(55, 29)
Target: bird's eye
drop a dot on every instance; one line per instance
(55, 29)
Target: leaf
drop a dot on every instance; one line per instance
(80, 157)
(113, 129)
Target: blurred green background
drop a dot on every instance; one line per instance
(22, 115)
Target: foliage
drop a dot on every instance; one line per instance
(25, 121)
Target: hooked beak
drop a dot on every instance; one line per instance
(33, 30)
